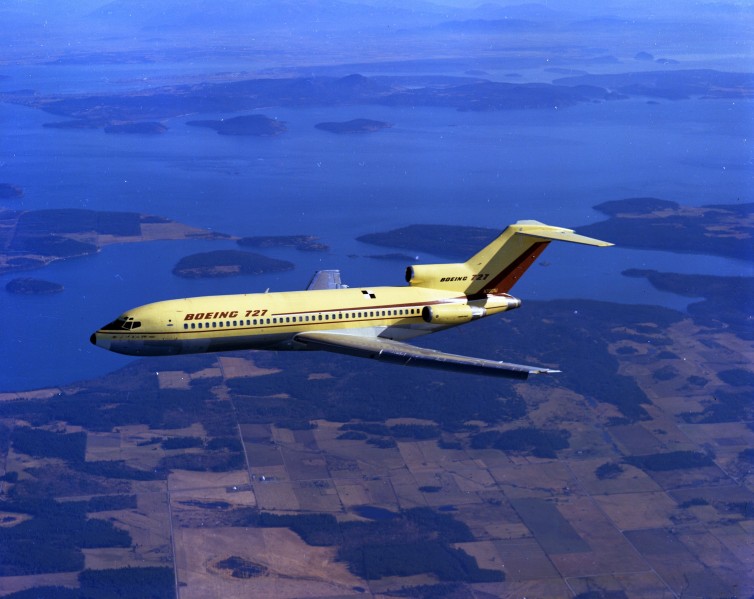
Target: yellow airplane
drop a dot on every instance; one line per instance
(365, 322)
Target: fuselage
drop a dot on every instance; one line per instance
(272, 320)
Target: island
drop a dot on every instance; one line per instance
(671, 85)
(306, 243)
(29, 286)
(394, 256)
(657, 224)
(227, 263)
(10, 192)
(441, 240)
(642, 223)
(141, 128)
(462, 93)
(354, 126)
(254, 124)
(35, 238)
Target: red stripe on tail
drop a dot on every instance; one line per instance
(503, 282)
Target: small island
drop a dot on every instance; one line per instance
(353, 126)
(256, 125)
(10, 192)
(305, 243)
(394, 256)
(28, 286)
(450, 241)
(142, 128)
(227, 263)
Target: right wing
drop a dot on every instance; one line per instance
(409, 355)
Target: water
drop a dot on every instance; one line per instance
(432, 166)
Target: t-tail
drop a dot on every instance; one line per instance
(498, 267)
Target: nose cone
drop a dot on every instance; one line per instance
(98, 339)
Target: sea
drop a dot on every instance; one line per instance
(433, 166)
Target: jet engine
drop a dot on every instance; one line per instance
(452, 313)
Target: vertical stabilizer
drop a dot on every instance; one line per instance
(497, 267)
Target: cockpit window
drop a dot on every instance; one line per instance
(122, 323)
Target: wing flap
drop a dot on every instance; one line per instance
(409, 355)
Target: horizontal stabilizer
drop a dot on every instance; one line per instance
(534, 228)
(408, 355)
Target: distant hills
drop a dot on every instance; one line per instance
(672, 85)
(461, 93)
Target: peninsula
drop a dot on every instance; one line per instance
(656, 224)
(35, 238)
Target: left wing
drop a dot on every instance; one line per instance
(408, 355)
(326, 279)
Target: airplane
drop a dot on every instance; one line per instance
(371, 322)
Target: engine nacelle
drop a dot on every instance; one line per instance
(439, 276)
(452, 313)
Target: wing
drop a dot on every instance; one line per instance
(326, 279)
(409, 355)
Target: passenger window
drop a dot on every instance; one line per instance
(193, 325)
(185, 325)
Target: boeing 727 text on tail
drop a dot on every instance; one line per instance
(366, 322)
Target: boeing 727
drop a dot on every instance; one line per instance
(366, 322)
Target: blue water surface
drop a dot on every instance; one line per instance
(435, 165)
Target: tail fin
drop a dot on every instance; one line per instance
(497, 267)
